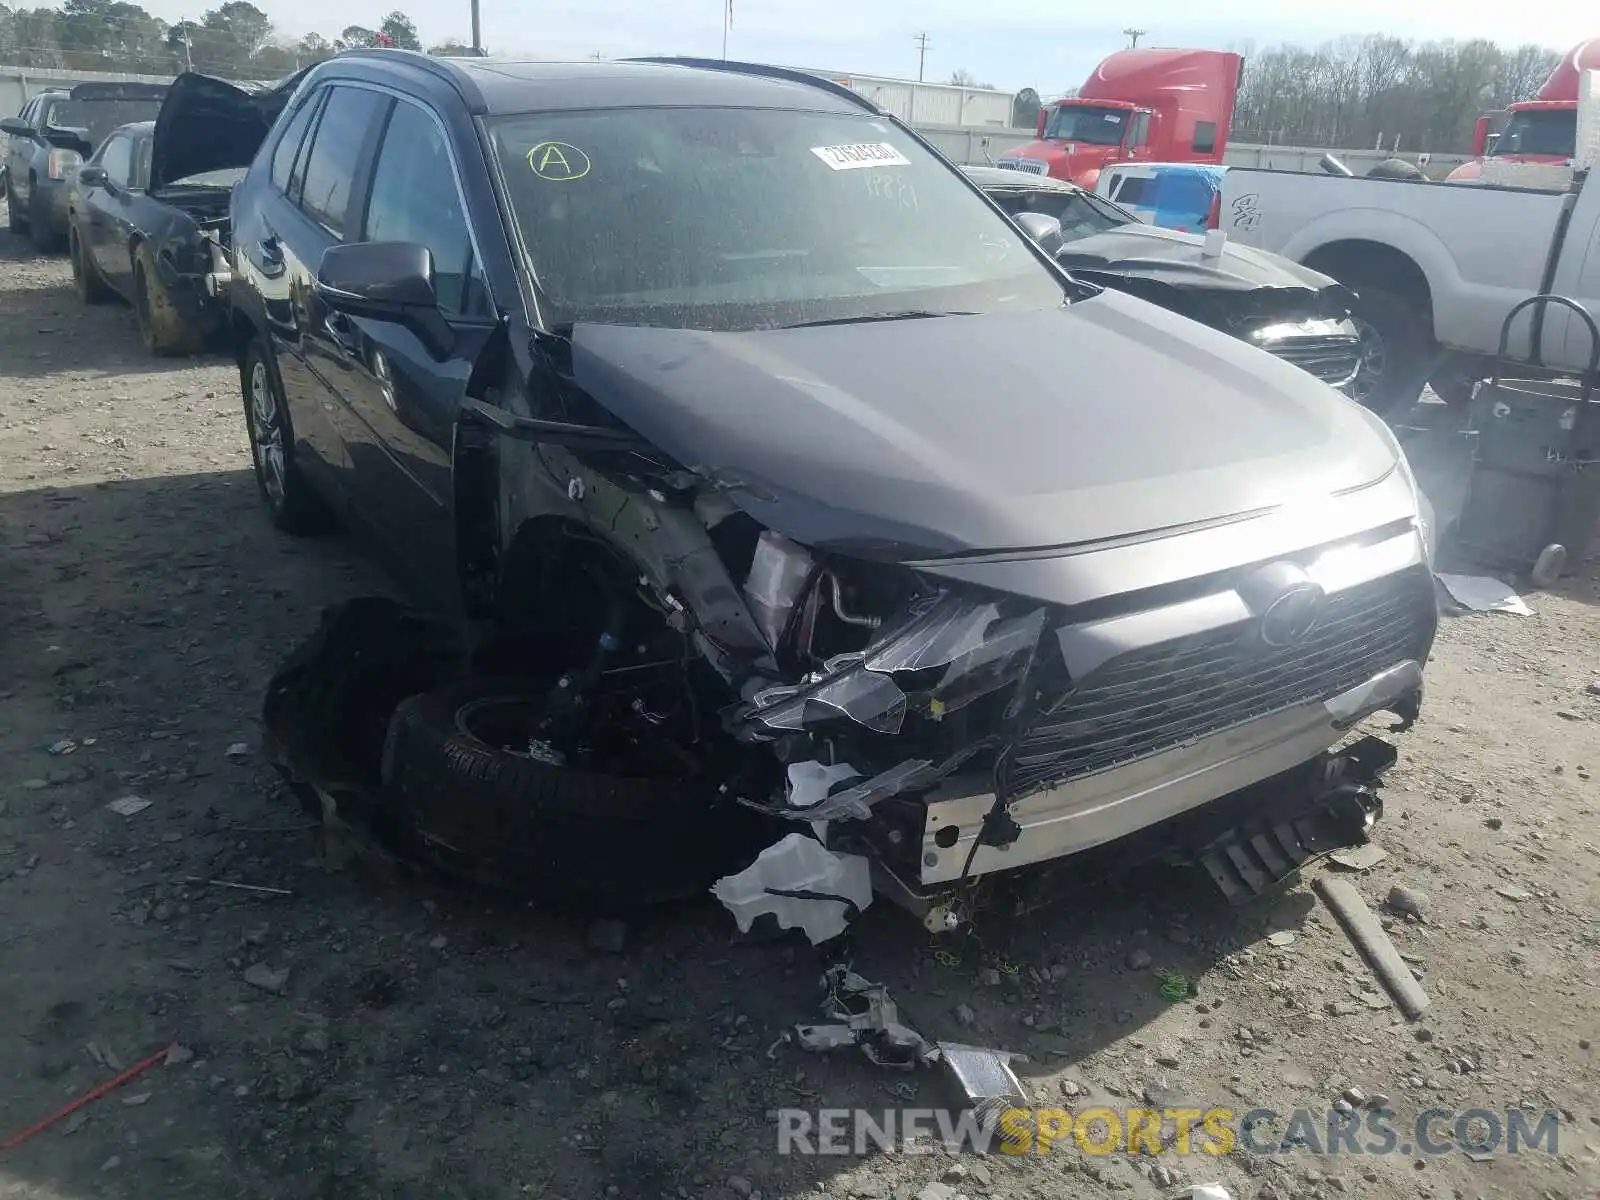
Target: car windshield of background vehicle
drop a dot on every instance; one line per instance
(721, 218)
(1096, 126)
(97, 118)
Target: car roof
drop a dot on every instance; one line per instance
(492, 86)
(996, 178)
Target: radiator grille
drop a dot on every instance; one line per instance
(1331, 358)
(1160, 697)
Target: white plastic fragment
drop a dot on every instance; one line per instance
(239, 750)
(835, 888)
(127, 806)
(1209, 1191)
(1484, 593)
(810, 782)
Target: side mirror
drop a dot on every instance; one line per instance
(92, 177)
(17, 127)
(1039, 123)
(1045, 230)
(385, 281)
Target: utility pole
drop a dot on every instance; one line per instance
(1133, 35)
(922, 53)
(477, 30)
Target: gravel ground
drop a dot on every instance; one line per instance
(380, 1036)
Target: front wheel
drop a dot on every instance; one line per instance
(160, 328)
(15, 221)
(1396, 351)
(292, 505)
(45, 239)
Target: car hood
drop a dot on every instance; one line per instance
(936, 436)
(209, 124)
(1178, 259)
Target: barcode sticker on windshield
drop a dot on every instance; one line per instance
(863, 154)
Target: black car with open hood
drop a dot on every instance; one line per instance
(208, 124)
(768, 468)
(1282, 307)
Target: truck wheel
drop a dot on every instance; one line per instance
(160, 327)
(15, 221)
(1396, 350)
(459, 768)
(45, 239)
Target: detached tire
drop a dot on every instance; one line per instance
(562, 836)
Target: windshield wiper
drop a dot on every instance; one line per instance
(903, 314)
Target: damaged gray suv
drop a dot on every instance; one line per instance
(818, 491)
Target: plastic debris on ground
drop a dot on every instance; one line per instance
(1209, 1191)
(861, 1013)
(127, 806)
(803, 884)
(1484, 593)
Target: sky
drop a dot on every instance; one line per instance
(1008, 43)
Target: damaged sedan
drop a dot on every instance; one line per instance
(736, 416)
(1264, 299)
(147, 215)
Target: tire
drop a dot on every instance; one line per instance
(45, 240)
(565, 837)
(327, 706)
(91, 288)
(15, 221)
(291, 503)
(160, 328)
(1397, 350)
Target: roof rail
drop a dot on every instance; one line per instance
(746, 68)
(426, 62)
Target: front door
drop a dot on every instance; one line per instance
(104, 209)
(404, 396)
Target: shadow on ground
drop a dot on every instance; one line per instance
(427, 1040)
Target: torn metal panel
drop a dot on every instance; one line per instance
(985, 1080)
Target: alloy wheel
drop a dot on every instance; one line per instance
(266, 435)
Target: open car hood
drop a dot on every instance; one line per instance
(209, 124)
(947, 435)
(1169, 267)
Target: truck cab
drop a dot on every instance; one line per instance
(1541, 130)
(1147, 105)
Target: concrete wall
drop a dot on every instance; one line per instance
(964, 145)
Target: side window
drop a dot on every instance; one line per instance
(1140, 133)
(117, 160)
(283, 154)
(1205, 137)
(141, 164)
(330, 168)
(414, 198)
(1132, 190)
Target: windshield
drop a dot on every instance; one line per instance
(720, 218)
(97, 117)
(1551, 131)
(1097, 126)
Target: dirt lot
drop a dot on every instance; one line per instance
(423, 1044)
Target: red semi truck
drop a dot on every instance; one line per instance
(1541, 130)
(1147, 105)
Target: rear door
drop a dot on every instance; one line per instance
(280, 241)
(403, 401)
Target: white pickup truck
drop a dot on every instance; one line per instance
(1436, 266)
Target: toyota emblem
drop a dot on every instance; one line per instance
(1292, 615)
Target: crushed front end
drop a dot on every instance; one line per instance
(949, 731)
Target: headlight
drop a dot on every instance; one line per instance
(62, 163)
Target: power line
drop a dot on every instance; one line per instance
(922, 53)
(1133, 36)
